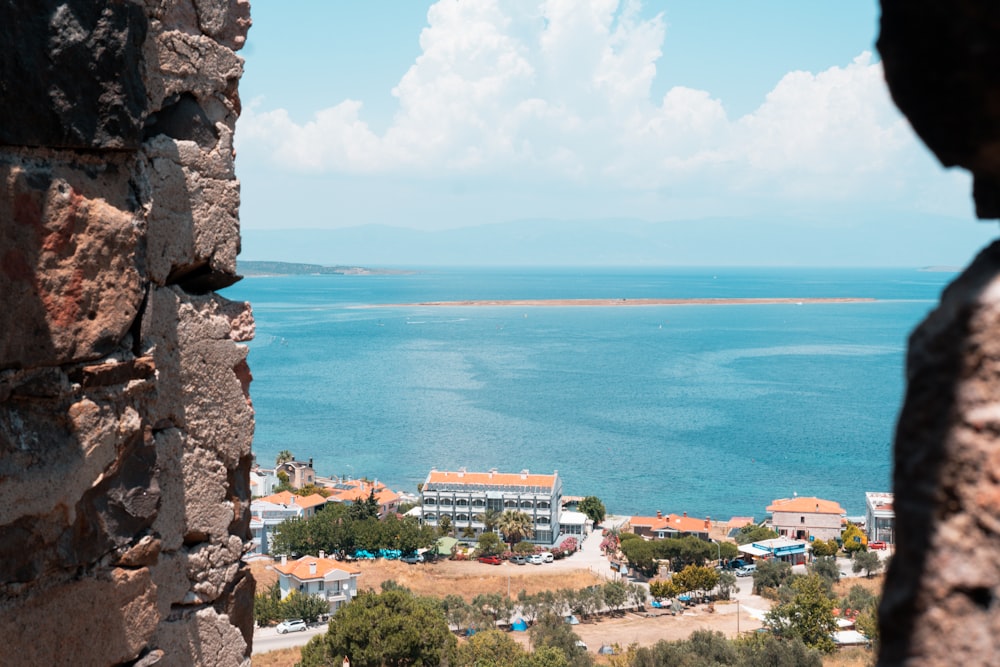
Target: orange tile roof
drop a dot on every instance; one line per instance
(491, 478)
(682, 524)
(300, 568)
(805, 505)
(289, 498)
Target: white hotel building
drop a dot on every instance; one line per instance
(465, 496)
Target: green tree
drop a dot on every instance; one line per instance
(593, 508)
(809, 615)
(826, 567)
(456, 610)
(515, 526)
(867, 622)
(553, 632)
(493, 606)
(770, 574)
(754, 533)
(761, 649)
(283, 482)
(444, 525)
(822, 548)
(284, 456)
(391, 629)
(640, 554)
(727, 585)
(854, 540)
(867, 561)
(664, 588)
(267, 605)
(304, 606)
(696, 578)
(490, 647)
(489, 544)
(490, 518)
(615, 595)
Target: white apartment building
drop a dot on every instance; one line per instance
(880, 517)
(465, 496)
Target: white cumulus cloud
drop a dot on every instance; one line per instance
(561, 90)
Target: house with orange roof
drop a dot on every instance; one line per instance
(268, 512)
(807, 518)
(332, 580)
(670, 525)
(464, 497)
(359, 490)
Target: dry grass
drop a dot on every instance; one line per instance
(470, 578)
(874, 584)
(263, 573)
(286, 657)
(849, 657)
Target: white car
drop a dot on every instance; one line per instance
(296, 625)
(536, 559)
(746, 571)
(547, 557)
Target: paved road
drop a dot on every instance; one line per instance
(268, 639)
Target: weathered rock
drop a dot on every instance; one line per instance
(125, 422)
(69, 254)
(103, 620)
(73, 67)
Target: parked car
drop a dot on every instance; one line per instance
(746, 570)
(518, 559)
(536, 559)
(412, 559)
(878, 545)
(291, 625)
(547, 557)
(490, 560)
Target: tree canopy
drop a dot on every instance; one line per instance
(337, 529)
(593, 508)
(808, 616)
(393, 628)
(754, 533)
(867, 561)
(515, 526)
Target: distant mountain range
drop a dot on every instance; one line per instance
(268, 268)
(706, 242)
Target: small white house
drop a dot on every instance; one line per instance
(334, 581)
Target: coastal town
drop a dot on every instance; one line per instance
(462, 515)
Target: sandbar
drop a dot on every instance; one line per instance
(634, 302)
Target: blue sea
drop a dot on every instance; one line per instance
(710, 410)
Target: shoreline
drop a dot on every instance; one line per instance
(632, 302)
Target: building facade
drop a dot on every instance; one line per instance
(880, 517)
(465, 497)
(807, 518)
(335, 582)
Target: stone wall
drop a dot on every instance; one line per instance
(941, 604)
(125, 419)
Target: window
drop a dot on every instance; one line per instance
(462, 502)
(430, 501)
(527, 503)
(321, 584)
(478, 502)
(510, 503)
(430, 517)
(543, 504)
(802, 519)
(461, 517)
(543, 520)
(446, 501)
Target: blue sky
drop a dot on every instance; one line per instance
(437, 116)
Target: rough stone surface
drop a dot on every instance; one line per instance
(125, 419)
(942, 64)
(941, 603)
(73, 67)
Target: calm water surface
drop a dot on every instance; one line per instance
(712, 410)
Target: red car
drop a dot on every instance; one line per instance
(878, 545)
(490, 560)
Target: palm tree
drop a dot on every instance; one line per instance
(515, 526)
(490, 518)
(284, 456)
